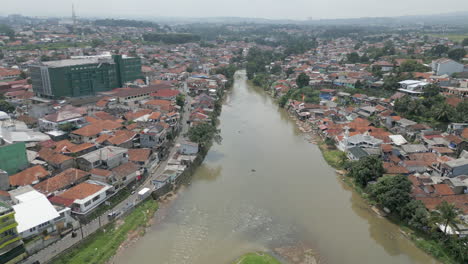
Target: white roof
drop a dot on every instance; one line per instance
(32, 210)
(143, 191)
(398, 139)
(4, 115)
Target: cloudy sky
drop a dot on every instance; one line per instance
(276, 9)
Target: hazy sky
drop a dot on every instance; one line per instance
(277, 9)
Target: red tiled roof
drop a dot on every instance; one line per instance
(165, 93)
(121, 136)
(28, 176)
(394, 169)
(125, 169)
(460, 201)
(60, 181)
(81, 191)
(96, 128)
(139, 154)
(101, 172)
(443, 189)
(159, 102)
(61, 201)
(51, 157)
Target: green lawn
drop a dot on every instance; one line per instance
(102, 245)
(256, 258)
(333, 157)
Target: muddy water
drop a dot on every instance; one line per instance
(263, 188)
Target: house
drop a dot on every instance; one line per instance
(122, 138)
(412, 87)
(165, 94)
(67, 115)
(125, 174)
(84, 197)
(29, 176)
(61, 181)
(91, 132)
(384, 66)
(107, 157)
(454, 168)
(9, 74)
(56, 160)
(35, 214)
(414, 148)
(164, 106)
(446, 66)
(102, 175)
(153, 137)
(356, 153)
(358, 140)
(327, 94)
(141, 156)
(188, 148)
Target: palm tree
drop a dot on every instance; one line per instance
(447, 214)
(443, 112)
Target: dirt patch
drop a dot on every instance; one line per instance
(299, 254)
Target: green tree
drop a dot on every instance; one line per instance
(302, 80)
(457, 54)
(439, 50)
(97, 42)
(415, 214)
(353, 57)
(180, 100)
(431, 90)
(461, 112)
(443, 112)
(413, 66)
(465, 42)
(446, 214)
(392, 192)
(276, 69)
(204, 133)
(6, 107)
(365, 170)
(290, 71)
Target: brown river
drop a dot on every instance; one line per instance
(266, 187)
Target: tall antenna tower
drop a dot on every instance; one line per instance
(74, 18)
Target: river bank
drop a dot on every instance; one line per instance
(102, 245)
(336, 159)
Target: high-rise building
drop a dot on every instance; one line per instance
(83, 75)
(11, 245)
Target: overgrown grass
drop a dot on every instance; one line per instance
(102, 245)
(256, 258)
(332, 156)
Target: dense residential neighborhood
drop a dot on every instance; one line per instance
(94, 117)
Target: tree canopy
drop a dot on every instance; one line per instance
(392, 192)
(365, 170)
(204, 133)
(302, 80)
(457, 54)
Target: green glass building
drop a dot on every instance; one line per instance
(83, 76)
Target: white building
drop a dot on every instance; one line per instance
(35, 214)
(412, 87)
(446, 66)
(84, 197)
